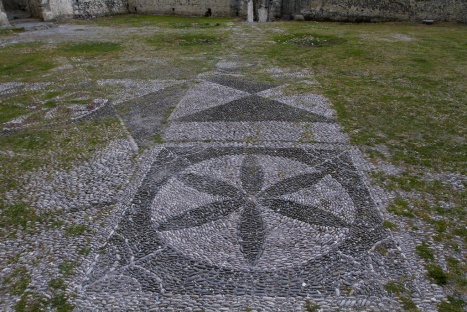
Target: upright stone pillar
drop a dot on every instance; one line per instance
(250, 11)
(3, 16)
(262, 14)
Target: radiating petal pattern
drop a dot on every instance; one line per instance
(251, 175)
(292, 184)
(249, 199)
(210, 185)
(201, 215)
(309, 214)
(251, 233)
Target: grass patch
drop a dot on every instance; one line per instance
(60, 303)
(18, 281)
(91, 48)
(11, 31)
(84, 251)
(309, 40)
(408, 304)
(76, 230)
(452, 305)
(24, 61)
(34, 148)
(18, 215)
(57, 283)
(9, 112)
(311, 307)
(401, 207)
(436, 273)
(158, 139)
(424, 252)
(30, 302)
(389, 225)
(186, 40)
(67, 268)
(394, 287)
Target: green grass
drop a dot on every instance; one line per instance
(401, 207)
(310, 40)
(91, 48)
(30, 302)
(452, 305)
(57, 283)
(311, 307)
(9, 112)
(185, 40)
(59, 302)
(408, 304)
(389, 225)
(18, 281)
(76, 230)
(158, 139)
(10, 31)
(436, 273)
(18, 215)
(424, 252)
(23, 61)
(67, 268)
(394, 287)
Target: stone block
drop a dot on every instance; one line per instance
(298, 17)
(262, 15)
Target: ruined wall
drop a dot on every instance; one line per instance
(3, 17)
(376, 10)
(93, 8)
(11, 5)
(335, 10)
(57, 9)
(33, 7)
(224, 8)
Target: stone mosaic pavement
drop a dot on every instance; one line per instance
(255, 201)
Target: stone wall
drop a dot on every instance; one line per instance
(218, 8)
(3, 17)
(376, 10)
(93, 8)
(335, 10)
(10, 5)
(58, 9)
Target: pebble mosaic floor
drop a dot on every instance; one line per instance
(236, 211)
(219, 192)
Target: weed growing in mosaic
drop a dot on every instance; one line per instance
(76, 230)
(408, 304)
(424, 251)
(437, 274)
(67, 268)
(452, 305)
(394, 287)
(389, 225)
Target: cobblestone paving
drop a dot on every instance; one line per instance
(235, 211)
(255, 201)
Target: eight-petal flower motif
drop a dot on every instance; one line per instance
(247, 200)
